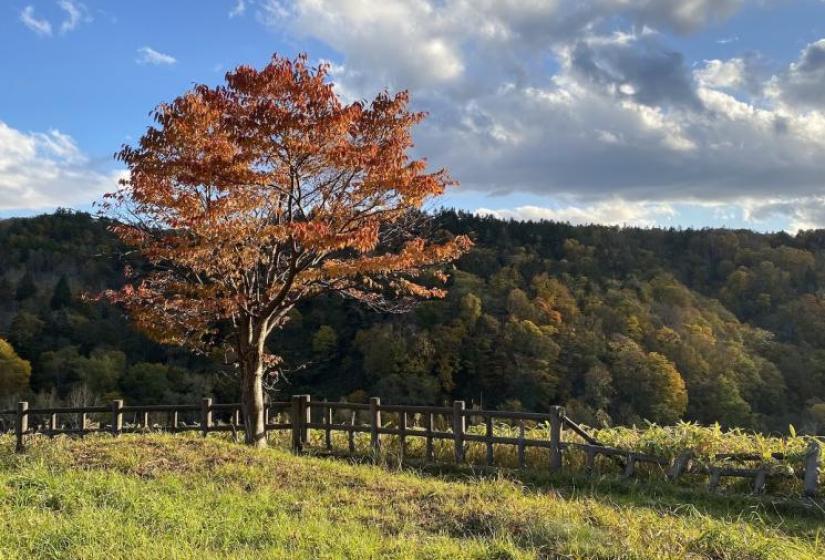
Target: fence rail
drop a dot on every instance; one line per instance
(367, 419)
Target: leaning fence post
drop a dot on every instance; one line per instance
(459, 427)
(375, 425)
(812, 469)
(117, 417)
(206, 416)
(680, 464)
(21, 426)
(556, 415)
(630, 465)
(760, 480)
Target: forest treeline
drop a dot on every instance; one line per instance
(620, 325)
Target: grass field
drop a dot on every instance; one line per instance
(164, 496)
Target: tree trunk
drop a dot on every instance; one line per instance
(252, 405)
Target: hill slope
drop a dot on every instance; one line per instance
(180, 497)
(619, 325)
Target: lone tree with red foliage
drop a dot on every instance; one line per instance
(250, 197)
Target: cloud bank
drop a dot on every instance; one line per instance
(586, 101)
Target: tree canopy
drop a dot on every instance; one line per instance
(250, 197)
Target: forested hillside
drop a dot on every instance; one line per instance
(620, 325)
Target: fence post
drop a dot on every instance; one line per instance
(557, 413)
(117, 417)
(206, 416)
(430, 452)
(590, 461)
(351, 432)
(328, 424)
(759, 481)
(296, 421)
(459, 427)
(306, 418)
(488, 431)
(21, 425)
(52, 424)
(375, 424)
(630, 465)
(680, 464)
(715, 478)
(812, 469)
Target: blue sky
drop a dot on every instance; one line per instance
(638, 112)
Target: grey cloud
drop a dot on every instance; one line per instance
(804, 81)
(640, 69)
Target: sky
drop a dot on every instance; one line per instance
(684, 113)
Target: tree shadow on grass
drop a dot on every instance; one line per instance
(792, 515)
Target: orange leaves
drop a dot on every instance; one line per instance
(324, 236)
(415, 255)
(250, 196)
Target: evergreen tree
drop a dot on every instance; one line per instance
(62, 294)
(26, 288)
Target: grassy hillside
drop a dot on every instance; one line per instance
(184, 497)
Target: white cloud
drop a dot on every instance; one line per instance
(46, 170)
(722, 73)
(799, 213)
(612, 212)
(148, 55)
(238, 10)
(39, 26)
(75, 14)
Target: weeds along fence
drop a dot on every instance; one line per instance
(432, 434)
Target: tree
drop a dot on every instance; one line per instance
(14, 371)
(62, 294)
(324, 341)
(648, 382)
(250, 197)
(25, 334)
(26, 288)
(6, 291)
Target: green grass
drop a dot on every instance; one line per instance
(163, 496)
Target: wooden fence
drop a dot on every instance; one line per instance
(431, 423)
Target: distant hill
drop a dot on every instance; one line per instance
(618, 324)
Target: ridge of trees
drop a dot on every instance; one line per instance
(620, 325)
